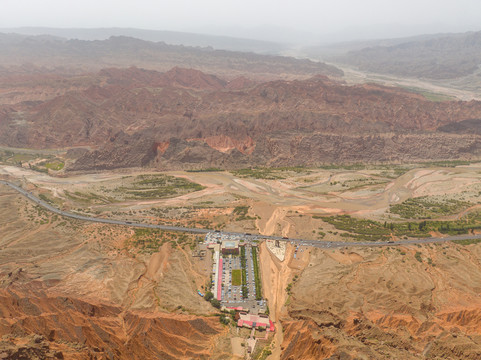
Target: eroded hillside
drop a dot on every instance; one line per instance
(187, 119)
(76, 291)
(398, 302)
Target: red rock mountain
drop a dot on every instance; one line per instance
(98, 331)
(202, 121)
(176, 77)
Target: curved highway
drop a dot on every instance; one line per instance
(302, 242)
(49, 207)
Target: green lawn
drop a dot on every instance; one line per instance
(236, 277)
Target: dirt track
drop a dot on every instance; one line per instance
(276, 275)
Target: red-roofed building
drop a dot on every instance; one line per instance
(255, 321)
(238, 308)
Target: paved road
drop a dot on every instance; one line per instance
(251, 237)
(49, 207)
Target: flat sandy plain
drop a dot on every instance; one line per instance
(283, 202)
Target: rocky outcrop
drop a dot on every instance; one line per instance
(385, 304)
(289, 150)
(129, 112)
(225, 144)
(470, 126)
(28, 347)
(176, 77)
(38, 325)
(120, 151)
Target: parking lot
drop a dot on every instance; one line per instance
(232, 295)
(230, 292)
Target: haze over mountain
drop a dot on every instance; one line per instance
(168, 37)
(267, 20)
(444, 56)
(81, 55)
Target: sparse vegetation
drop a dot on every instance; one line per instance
(257, 274)
(87, 198)
(446, 163)
(157, 186)
(212, 169)
(55, 165)
(154, 186)
(358, 229)
(208, 296)
(224, 319)
(429, 95)
(468, 241)
(16, 158)
(245, 290)
(368, 230)
(241, 212)
(150, 240)
(428, 207)
(269, 173)
(215, 303)
(263, 354)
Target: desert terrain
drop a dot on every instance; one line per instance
(403, 302)
(85, 294)
(154, 133)
(276, 201)
(422, 304)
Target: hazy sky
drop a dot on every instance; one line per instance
(247, 16)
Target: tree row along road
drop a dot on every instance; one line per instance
(303, 242)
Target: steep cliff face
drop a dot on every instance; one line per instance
(291, 149)
(225, 144)
(121, 151)
(79, 329)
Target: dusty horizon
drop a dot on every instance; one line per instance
(303, 21)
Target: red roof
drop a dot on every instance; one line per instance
(244, 322)
(270, 326)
